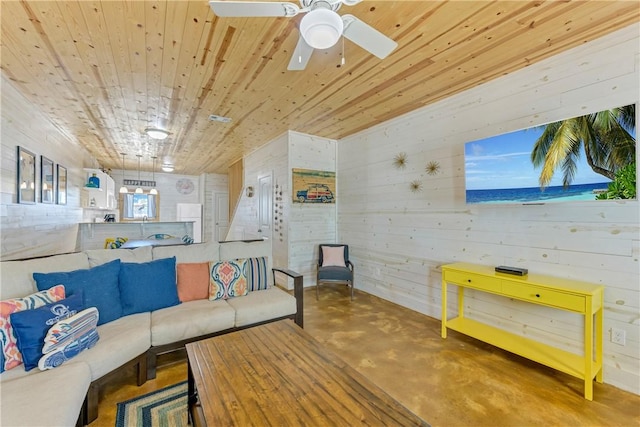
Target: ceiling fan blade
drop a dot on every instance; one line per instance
(253, 8)
(301, 56)
(367, 37)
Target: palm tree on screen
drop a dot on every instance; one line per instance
(606, 136)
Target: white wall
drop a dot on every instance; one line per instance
(29, 230)
(310, 223)
(37, 229)
(303, 226)
(400, 238)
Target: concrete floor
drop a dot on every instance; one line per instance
(454, 382)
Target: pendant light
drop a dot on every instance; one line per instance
(153, 177)
(139, 188)
(123, 189)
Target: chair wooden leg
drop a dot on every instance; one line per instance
(317, 291)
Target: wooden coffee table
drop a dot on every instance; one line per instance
(278, 375)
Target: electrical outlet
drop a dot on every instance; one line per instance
(618, 336)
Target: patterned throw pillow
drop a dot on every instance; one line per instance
(257, 275)
(11, 356)
(31, 326)
(68, 337)
(227, 279)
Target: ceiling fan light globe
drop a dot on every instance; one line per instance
(321, 28)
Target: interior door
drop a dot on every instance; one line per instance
(265, 203)
(220, 216)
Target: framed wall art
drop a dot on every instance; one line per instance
(46, 180)
(61, 189)
(312, 186)
(26, 177)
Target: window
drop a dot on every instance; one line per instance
(139, 207)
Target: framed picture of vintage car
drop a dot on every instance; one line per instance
(26, 176)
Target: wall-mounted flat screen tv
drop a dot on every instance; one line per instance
(590, 157)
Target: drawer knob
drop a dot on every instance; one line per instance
(537, 295)
(469, 280)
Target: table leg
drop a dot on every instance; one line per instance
(444, 308)
(588, 352)
(192, 394)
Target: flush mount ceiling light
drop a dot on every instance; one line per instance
(156, 133)
(321, 28)
(167, 167)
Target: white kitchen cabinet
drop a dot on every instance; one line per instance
(103, 197)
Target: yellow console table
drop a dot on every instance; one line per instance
(563, 294)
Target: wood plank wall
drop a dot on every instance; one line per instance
(399, 238)
(39, 229)
(236, 184)
(303, 226)
(310, 224)
(45, 229)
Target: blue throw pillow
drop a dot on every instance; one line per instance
(99, 285)
(148, 286)
(31, 326)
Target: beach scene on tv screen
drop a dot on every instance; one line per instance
(591, 157)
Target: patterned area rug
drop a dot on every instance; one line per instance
(166, 407)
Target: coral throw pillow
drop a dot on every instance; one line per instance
(193, 281)
(10, 354)
(227, 279)
(333, 256)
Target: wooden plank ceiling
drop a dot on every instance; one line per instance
(103, 71)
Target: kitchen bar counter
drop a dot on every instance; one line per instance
(92, 235)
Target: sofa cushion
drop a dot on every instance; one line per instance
(120, 341)
(227, 279)
(102, 256)
(17, 276)
(148, 286)
(257, 273)
(31, 326)
(11, 356)
(98, 284)
(260, 306)
(193, 280)
(198, 252)
(190, 319)
(50, 398)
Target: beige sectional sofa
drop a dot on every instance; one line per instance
(68, 394)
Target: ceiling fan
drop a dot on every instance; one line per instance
(320, 28)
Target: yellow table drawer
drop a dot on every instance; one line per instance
(470, 280)
(545, 296)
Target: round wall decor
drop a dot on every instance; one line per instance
(185, 186)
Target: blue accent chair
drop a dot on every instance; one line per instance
(332, 273)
